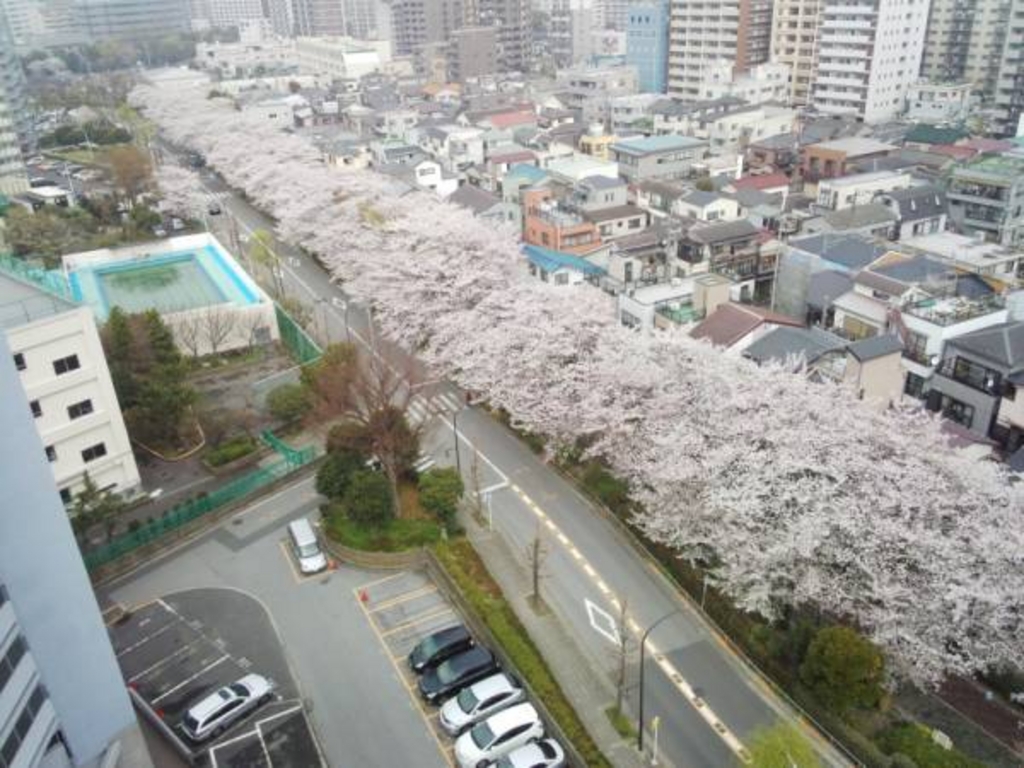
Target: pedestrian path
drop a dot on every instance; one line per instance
(423, 409)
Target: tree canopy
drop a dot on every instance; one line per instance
(793, 491)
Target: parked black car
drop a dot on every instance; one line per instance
(443, 644)
(451, 676)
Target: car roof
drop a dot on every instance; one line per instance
(449, 634)
(529, 754)
(211, 703)
(511, 717)
(492, 685)
(472, 657)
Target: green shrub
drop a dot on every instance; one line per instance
(334, 475)
(466, 569)
(232, 449)
(844, 669)
(288, 402)
(608, 489)
(367, 499)
(440, 491)
(915, 742)
(394, 536)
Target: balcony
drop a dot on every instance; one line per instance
(680, 314)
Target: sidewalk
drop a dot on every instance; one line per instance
(589, 694)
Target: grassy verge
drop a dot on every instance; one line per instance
(395, 536)
(620, 723)
(468, 572)
(232, 449)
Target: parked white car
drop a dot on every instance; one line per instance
(498, 735)
(212, 715)
(546, 753)
(479, 701)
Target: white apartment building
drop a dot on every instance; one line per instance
(795, 44)
(64, 374)
(938, 102)
(341, 58)
(705, 32)
(765, 82)
(13, 179)
(62, 698)
(858, 188)
(869, 54)
(247, 59)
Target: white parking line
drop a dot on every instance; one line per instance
(162, 661)
(185, 682)
(136, 645)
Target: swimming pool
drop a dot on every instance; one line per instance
(170, 282)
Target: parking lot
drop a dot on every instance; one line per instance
(173, 652)
(402, 610)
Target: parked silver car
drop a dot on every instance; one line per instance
(212, 715)
(479, 701)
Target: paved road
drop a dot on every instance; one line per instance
(708, 702)
(359, 705)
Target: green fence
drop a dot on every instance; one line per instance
(51, 281)
(298, 342)
(204, 504)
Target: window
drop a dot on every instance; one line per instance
(19, 361)
(66, 364)
(956, 411)
(22, 725)
(65, 495)
(9, 661)
(78, 410)
(94, 452)
(51, 454)
(37, 410)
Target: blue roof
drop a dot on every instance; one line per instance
(664, 143)
(551, 261)
(531, 173)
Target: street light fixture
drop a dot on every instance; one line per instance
(643, 643)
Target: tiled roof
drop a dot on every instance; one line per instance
(731, 322)
(781, 344)
(859, 216)
(850, 251)
(768, 181)
(550, 260)
(475, 199)
(725, 230)
(1002, 344)
(933, 134)
(650, 144)
(876, 346)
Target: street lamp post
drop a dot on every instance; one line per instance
(455, 430)
(643, 644)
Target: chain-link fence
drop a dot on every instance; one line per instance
(295, 339)
(239, 488)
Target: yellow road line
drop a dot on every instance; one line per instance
(382, 580)
(412, 622)
(404, 598)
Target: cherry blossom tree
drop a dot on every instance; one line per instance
(793, 492)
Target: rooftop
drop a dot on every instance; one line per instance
(22, 302)
(651, 144)
(731, 322)
(700, 198)
(765, 181)
(615, 212)
(875, 347)
(473, 198)
(858, 216)
(850, 251)
(722, 231)
(785, 343)
(963, 250)
(950, 310)
(551, 261)
(1003, 166)
(826, 285)
(1002, 344)
(861, 178)
(922, 133)
(854, 146)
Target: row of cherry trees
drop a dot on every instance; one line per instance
(792, 490)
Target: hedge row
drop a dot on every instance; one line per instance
(469, 573)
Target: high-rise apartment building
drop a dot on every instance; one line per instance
(647, 44)
(132, 19)
(38, 24)
(318, 18)
(12, 167)
(964, 43)
(511, 18)
(62, 700)
(794, 42)
(570, 32)
(1009, 92)
(869, 53)
(415, 23)
(472, 53)
(702, 32)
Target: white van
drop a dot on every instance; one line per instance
(305, 546)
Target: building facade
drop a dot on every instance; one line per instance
(965, 42)
(511, 18)
(39, 24)
(64, 375)
(703, 32)
(869, 54)
(473, 53)
(132, 19)
(986, 199)
(64, 702)
(1009, 95)
(647, 44)
(794, 43)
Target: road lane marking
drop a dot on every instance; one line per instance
(598, 622)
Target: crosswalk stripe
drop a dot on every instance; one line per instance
(424, 463)
(451, 401)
